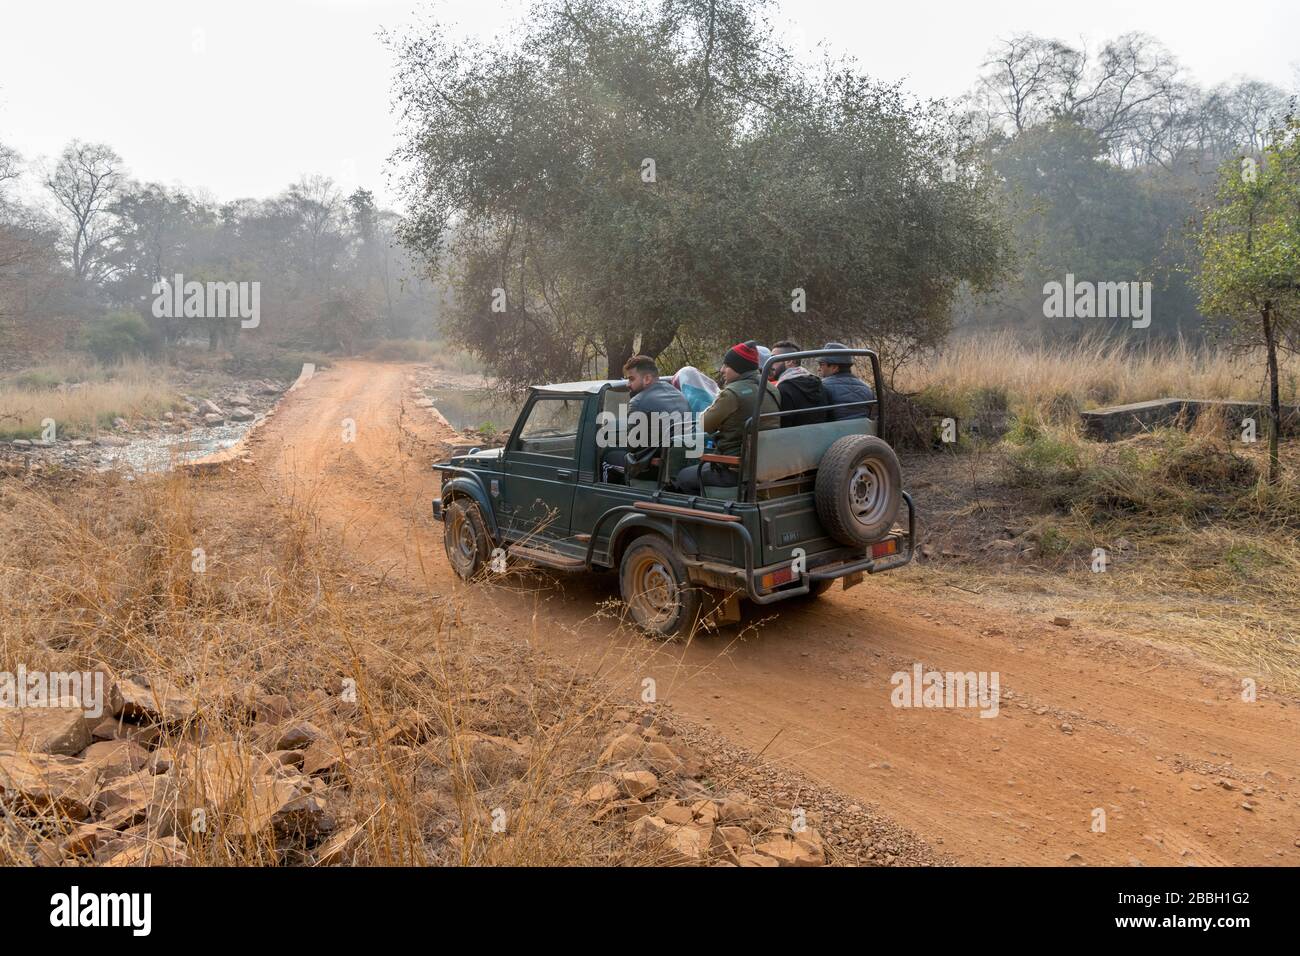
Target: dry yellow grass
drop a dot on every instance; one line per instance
(102, 393)
(103, 571)
(1095, 372)
(1202, 553)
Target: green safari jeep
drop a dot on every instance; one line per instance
(814, 503)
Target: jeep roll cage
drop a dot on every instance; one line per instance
(749, 461)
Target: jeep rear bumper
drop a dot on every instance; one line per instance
(777, 582)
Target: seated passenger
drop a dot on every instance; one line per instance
(799, 388)
(650, 395)
(726, 418)
(843, 386)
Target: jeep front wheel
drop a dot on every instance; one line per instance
(655, 588)
(465, 538)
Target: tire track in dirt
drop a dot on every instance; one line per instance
(1161, 743)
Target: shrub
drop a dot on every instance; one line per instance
(1047, 460)
(118, 336)
(405, 350)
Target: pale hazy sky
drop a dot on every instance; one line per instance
(241, 97)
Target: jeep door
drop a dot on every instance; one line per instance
(540, 469)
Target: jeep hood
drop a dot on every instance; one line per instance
(479, 457)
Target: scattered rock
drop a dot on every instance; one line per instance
(322, 758)
(44, 782)
(206, 778)
(115, 759)
(299, 735)
(637, 784)
(623, 747)
(49, 730)
(158, 701)
(282, 807)
(794, 849)
(142, 851)
(606, 791)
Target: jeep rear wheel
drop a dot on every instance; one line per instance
(858, 490)
(465, 538)
(655, 588)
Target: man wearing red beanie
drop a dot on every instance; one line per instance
(726, 418)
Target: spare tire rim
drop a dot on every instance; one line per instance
(868, 492)
(655, 591)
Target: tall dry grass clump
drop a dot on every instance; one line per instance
(82, 397)
(1093, 372)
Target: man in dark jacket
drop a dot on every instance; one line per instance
(725, 419)
(799, 388)
(842, 386)
(650, 393)
(651, 396)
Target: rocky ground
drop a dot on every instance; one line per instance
(140, 785)
(199, 426)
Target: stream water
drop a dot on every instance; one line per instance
(476, 408)
(161, 452)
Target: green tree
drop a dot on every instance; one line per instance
(1249, 273)
(625, 176)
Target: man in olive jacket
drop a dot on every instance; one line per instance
(725, 419)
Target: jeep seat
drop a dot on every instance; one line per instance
(783, 452)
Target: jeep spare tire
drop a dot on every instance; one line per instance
(859, 488)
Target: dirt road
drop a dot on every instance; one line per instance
(1090, 724)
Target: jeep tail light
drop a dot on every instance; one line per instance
(884, 548)
(776, 578)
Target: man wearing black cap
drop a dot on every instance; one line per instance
(842, 386)
(726, 418)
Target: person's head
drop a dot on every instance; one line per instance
(740, 358)
(784, 347)
(640, 372)
(826, 365)
(764, 353)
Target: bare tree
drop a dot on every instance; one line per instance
(1019, 77)
(318, 207)
(1256, 108)
(10, 166)
(85, 183)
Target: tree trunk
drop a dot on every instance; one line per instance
(617, 352)
(1274, 400)
(657, 338)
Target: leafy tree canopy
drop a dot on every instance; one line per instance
(624, 176)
